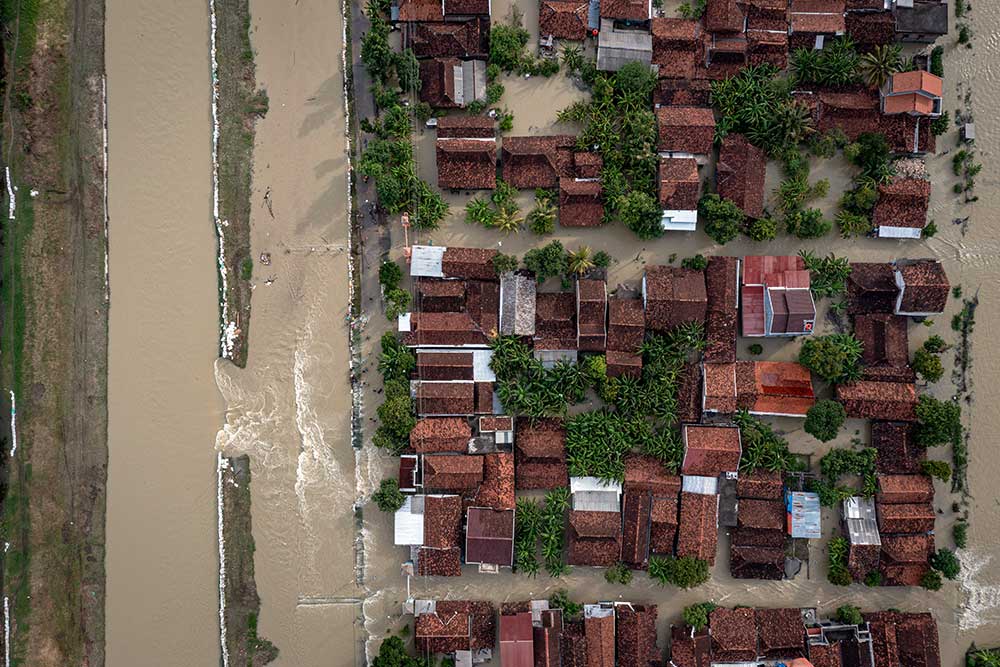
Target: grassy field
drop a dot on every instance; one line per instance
(54, 336)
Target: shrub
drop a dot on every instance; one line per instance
(602, 259)
(692, 9)
(560, 600)
(853, 224)
(683, 572)
(930, 229)
(542, 220)
(838, 574)
(618, 574)
(246, 269)
(698, 263)
(960, 533)
(850, 615)
(504, 263)
(389, 498)
(940, 124)
(696, 615)
(937, 61)
(392, 653)
(396, 414)
(389, 274)
(756, 349)
(494, 92)
(641, 213)
(397, 361)
(761, 229)
(927, 365)
(938, 422)
(723, 218)
(835, 358)
(931, 580)
(397, 302)
(506, 122)
(507, 44)
(873, 579)
(546, 262)
(936, 469)
(807, 224)
(946, 562)
(827, 275)
(935, 343)
(408, 70)
(824, 420)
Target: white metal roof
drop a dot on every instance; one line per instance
(891, 232)
(679, 221)
(403, 322)
(705, 486)
(409, 524)
(425, 261)
(578, 484)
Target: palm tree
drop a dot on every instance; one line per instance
(542, 219)
(572, 58)
(508, 220)
(879, 64)
(580, 260)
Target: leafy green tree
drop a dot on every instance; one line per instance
(722, 217)
(618, 574)
(927, 365)
(761, 229)
(935, 344)
(396, 415)
(824, 420)
(931, 580)
(960, 533)
(542, 220)
(640, 212)
(938, 422)
(508, 220)
(389, 274)
(696, 615)
(940, 124)
(683, 572)
(827, 275)
(853, 224)
(546, 262)
(946, 562)
(698, 262)
(507, 44)
(407, 70)
(850, 615)
(572, 58)
(504, 263)
(376, 54)
(602, 259)
(397, 361)
(397, 302)
(494, 92)
(879, 64)
(389, 498)
(392, 653)
(936, 469)
(835, 358)
(807, 223)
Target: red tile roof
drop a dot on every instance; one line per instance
(439, 562)
(466, 7)
(437, 82)
(902, 203)
(626, 324)
(594, 538)
(600, 632)
(466, 164)
(663, 524)
(442, 521)
(496, 423)
(489, 536)
(897, 451)
(817, 24)
(592, 312)
(497, 488)
(871, 29)
(563, 19)
(894, 401)
(452, 472)
(905, 489)
(740, 174)
(444, 365)
(884, 338)
(635, 629)
(634, 10)
(463, 39)
(680, 186)
(754, 562)
(472, 263)
(636, 506)
(723, 16)
(440, 434)
(734, 635)
(445, 398)
(456, 625)
(904, 640)
(925, 287)
(581, 203)
(674, 296)
(420, 10)
(686, 129)
(690, 649)
(782, 388)
(710, 451)
(689, 394)
(646, 473)
(537, 162)
(781, 633)
(905, 518)
(720, 388)
(761, 514)
(904, 559)
(516, 640)
(763, 484)
(753, 537)
(698, 531)
(555, 321)
(547, 636)
(460, 126)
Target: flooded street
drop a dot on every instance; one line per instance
(164, 408)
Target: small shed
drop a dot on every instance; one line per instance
(803, 510)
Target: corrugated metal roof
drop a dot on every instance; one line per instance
(425, 261)
(804, 512)
(679, 221)
(596, 501)
(860, 517)
(705, 486)
(616, 48)
(409, 524)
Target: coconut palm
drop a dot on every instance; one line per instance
(508, 220)
(542, 219)
(580, 260)
(879, 64)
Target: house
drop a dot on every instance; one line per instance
(453, 365)
(517, 304)
(646, 473)
(905, 559)
(884, 340)
(905, 518)
(409, 473)
(450, 83)
(678, 46)
(689, 647)
(437, 295)
(618, 44)
(466, 164)
(447, 626)
(757, 545)
(680, 190)
(916, 93)
(920, 21)
(626, 330)
(898, 452)
(433, 435)
(719, 388)
(689, 394)
(540, 454)
(591, 315)
(442, 330)
(869, 29)
(573, 645)
(756, 562)
(555, 321)
(581, 202)
(547, 636)
(734, 635)
(453, 263)
(739, 174)
(419, 10)
(663, 521)
(861, 525)
(698, 530)
(923, 288)
(673, 296)
(452, 472)
(635, 635)
(628, 11)
(901, 209)
(489, 537)
(767, 388)
(904, 639)
(894, 489)
(710, 451)
(760, 484)
(537, 162)
(440, 554)
(762, 514)
(869, 399)
(444, 399)
(776, 297)
(724, 16)
(813, 22)
(594, 538)
(722, 292)
(517, 640)
(781, 633)
(461, 8)
(768, 46)
(636, 508)
(685, 131)
(871, 288)
(454, 39)
(599, 625)
(563, 19)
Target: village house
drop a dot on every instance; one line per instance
(619, 43)
(555, 323)
(649, 515)
(455, 39)
(581, 202)
(710, 451)
(722, 293)
(517, 640)
(450, 83)
(563, 19)
(489, 538)
(734, 635)
(739, 174)
(679, 192)
(904, 639)
(698, 528)
(757, 544)
(776, 297)
(591, 315)
(905, 559)
(764, 388)
(626, 330)
(901, 209)
(540, 454)
(595, 522)
(635, 635)
(923, 288)
(537, 162)
(726, 23)
(517, 304)
(466, 163)
(905, 518)
(869, 399)
(871, 25)
(599, 627)
(916, 93)
(673, 296)
(781, 633)
(898, 452)
(678, 46)
(920, 21)
(454, 627)
(885, 348)
(436, 435)
(453, 263)
(431, 526)
(813, 22)
(685, 131)
(871, 288)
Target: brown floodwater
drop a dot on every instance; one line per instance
(164, 408)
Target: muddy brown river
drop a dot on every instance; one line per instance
(290, 408)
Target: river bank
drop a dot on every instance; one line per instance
(54, 272)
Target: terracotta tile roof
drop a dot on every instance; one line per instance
(723, 16)
(473, 263)
(782, 387)
(439, 562)
(674, 296)
(563, 19)
(761, 514)
(537, 162)
(456, 625)
(871, 288)
(689, 649)
(902, 203)
(444, 365)
(444, 329)
(437, 83)
(753, 562)
(587, 164)
(686, 129)
(740, 174)
(680, 186)
(689, 394)
(573, 644)
(516, 640)
(646, 473)
(711, 450)
(906, 134)
(635, 629)
(905, 489)
(636, 506)
(489, 536)
(871, 29)
(897, 451)
(905, 518)
(541, 439)
(600, 633)
(825, 655)
(440, 434)
(464, 39)
(698, 531)
(682, 92)
(452, 472)
(466, 164)
(862, 559)
(720, 283)
(484, 398)
(581, 203)
(904, 640)
(555, 321)
(541, 475)
(720, 388)
(917, 81)
(420, 10)
(621, 364)
(497, 488)
(766, 46)
(592, 309)
(460, 126)
(594, 538)
(892, 401)
(440, 296)
(442, 521)
(752, 537)
(909, 549)
(445, 398)
(762, 484)
(781, 633)
(497, 423)
(675, 32)
(626, 324)
(634, 10)
(466, 7)
(925, 287)
(547, 639)
(884, 338)
(818, 24)
(663, 524)
(734, 635)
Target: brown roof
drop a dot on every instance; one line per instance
(555, 321)
(686, 129)
(460, 126)
(780, 388)
(444, 329)
(573, 644)
(466, 7)
(904, 640)
(723, 16)
(635, 630)
(592, 312)
(420, 10)
(689, 394)
(456, 625)
(516, 640)
(680, 186)
(781, 633)
(473, 263)
(711, 450)
(587, 164)
(489, 536)
(600, 632)
(682, 92)
(884, 339)
(437, 82)
(547, 636)
(754, 562)
(452, 472)
(905, 489)
(740, 174)
(925, 287)
(674, 296)
(636, 506)
(550, 475)
(761, 514)
(825, 655)
(626, 324)
(595, 538)
(563, 19)
(445, 398)
(690, 649)
(541, 439)
(581, 203)
(678, 49)
(902, 203)
(461, 39)
(905, 518)
(817, 24)
(734, 635)
(439, 562)
(675, 31)
(444, 365)
(698, 531)
(635, 10)
(720, 283)
(442, 521)
(871, 29)
(763, 484)
(440, 434)
(753, 537)
(497, 488)
(862, 559)
(484, 398)
(663, 524)
(907, 549)
(537, 162)
(720, 388)
(897, 450)
(623, 364)
(440, 296)
(646, 473)
(871, 288)
(496, 423)
(879, 400)
(466, 164)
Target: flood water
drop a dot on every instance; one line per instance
(164, 408)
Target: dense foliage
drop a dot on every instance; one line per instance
(508, 51)
(641, 213)
(560, 600)
(542, 219)
(838, 463)
(960, 533)
(931, 580)
(527, 388)
(824, 420)
(392, 653)
(837, 572)
(396, 414)
(526, 536)
(723, 219)
(835, 357)
(763, 449)
(499, 212)
(696, 615)
(552, 531)
(807, 223)
(836, 64)
(827, 275)
(396, 299)
(849, 614)
(938, 422)
(927, 365)
(946, 562)
(936, 469)
(389, 498)
(618, 574)
(547, 262)
(683, 572)
(504, 263)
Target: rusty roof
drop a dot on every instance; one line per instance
(549, 475)
(440, 434)
(444, 365)
(663, 525)
(904, 639)
(734, 635)
(740, 174)
(871, 29)
(871, 288)
(815, 23)
(781, 633)
(782, 387)
(600, 631)
(686, 129)
(456, 625)
(445, 398)
(647, 473)
(897, 450)
(497, 487)
(710, 451)
(466, 7)
(626, 324)
(595, 538)
(762, 484)
(884, 339)
(761, 514)
(902, 203)
(698, 530)
(444, 329)
(555, 321)
(452, 472)
(754, 562)
(894, 401)
(461, 126)
(635, 629)
(471, 263)
(420, 10)
(439, 562)
(689, 396)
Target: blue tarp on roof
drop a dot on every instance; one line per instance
(803, 514)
